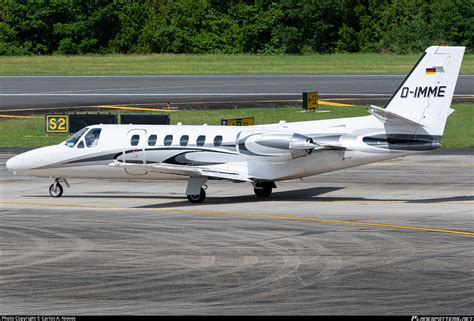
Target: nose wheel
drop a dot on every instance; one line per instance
(56, 190)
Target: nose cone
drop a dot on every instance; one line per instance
(16, 163)
(24, 163)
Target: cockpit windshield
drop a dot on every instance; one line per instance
(71, 141)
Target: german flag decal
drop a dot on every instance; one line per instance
(430, 71)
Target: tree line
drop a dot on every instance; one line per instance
(32, 27)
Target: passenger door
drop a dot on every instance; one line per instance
(134, 152)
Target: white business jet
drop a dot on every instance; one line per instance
(413, 121)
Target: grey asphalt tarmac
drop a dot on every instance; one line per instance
(394, 237)
(66, 91)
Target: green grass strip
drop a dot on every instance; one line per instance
(214, 64)
(30, 132)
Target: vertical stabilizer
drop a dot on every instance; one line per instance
(424, 97)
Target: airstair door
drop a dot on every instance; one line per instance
(134, 152)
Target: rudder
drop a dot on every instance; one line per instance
(425, 96)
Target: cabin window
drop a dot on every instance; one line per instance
(135, 140)
(92, 137)
(218, 140)
(71, 141)
(201, 140)
(152, 140)
(80, 145)
(184, 140)
(168, 140)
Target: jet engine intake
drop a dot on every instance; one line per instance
(275, 145)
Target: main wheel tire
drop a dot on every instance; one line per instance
(56, 191)
(264, 191)
(199, 198)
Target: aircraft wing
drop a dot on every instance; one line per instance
(186, 170)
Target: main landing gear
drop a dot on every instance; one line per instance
(196, 189)
(56, 189)
(197, 198)
(264, 189)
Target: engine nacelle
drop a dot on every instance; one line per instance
(277, 146)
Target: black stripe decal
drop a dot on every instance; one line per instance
(403, 142)
(181, 159)
(186, 149)
(93, 159)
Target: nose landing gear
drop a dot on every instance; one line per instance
(56, 189)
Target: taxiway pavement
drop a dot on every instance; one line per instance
(20, 92)
(394, 237)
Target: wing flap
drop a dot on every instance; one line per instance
(186, 170)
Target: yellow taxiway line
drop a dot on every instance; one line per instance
(325, 201)
(134, 106)
(16, 116)
(429, 163)
(253, 215)
(330, 103)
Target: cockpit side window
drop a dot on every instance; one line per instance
(92, 137)
(71, 141)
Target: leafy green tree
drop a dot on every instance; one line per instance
(132, 17)
(29, 25)
(171, 25)
(91, 27)
(403, 26)
(232, 26)
(452, 22)
(317, 21)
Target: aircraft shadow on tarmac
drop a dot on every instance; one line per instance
(307, 195)
(285, 197)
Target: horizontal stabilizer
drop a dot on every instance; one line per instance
(386, 116)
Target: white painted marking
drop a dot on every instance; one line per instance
(208, 76)
(217, 76)
(188, 94)
(177, 94)
(146, 94)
